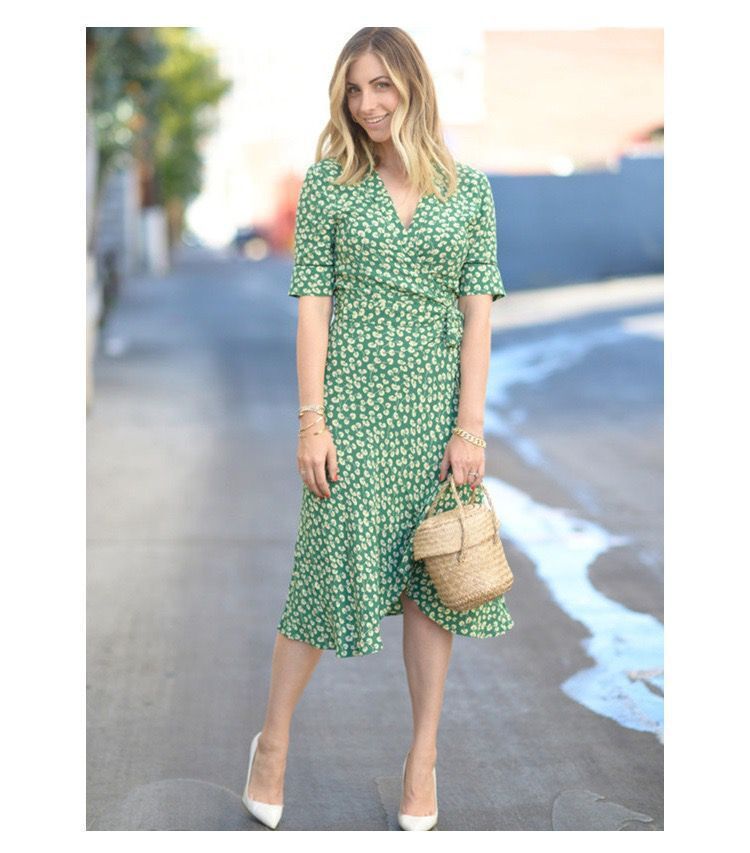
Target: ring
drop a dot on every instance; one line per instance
(473, 473)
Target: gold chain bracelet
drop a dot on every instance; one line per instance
(470, 437)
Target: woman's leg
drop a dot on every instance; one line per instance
(427, 651)
(292, 665)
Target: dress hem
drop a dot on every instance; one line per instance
(281, 628)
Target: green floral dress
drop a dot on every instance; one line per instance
(391, 394)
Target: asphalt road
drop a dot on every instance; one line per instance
(193, 500)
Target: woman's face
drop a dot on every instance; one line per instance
(370, 94)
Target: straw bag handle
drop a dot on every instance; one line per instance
(462, 518)
(451, 483)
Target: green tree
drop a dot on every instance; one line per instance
(124, 92)
(154, 94)
(190, 87)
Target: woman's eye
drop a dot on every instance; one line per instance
(352, 89)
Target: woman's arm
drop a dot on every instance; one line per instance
(313, 320)
(313, 451)
(480, 285)
(313, 285)
(475, 361)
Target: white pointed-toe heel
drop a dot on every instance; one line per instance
(268, 814)
(418, 822)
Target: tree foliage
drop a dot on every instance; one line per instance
(153, 90)
(190, 87)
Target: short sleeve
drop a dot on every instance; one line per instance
(480, 272)
(314, 249)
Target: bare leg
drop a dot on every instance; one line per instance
(427, 649)
(292, 665)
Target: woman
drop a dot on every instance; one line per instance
(398, 231)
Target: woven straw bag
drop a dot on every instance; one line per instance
(462, 551)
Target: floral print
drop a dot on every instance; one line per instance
(391, 392)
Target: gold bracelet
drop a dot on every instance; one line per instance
(470, 437)
(322, 429)
(312, 408)
(311, 424)
(317, 432)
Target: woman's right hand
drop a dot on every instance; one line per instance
(314, 454)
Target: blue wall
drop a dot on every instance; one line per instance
(582, 227)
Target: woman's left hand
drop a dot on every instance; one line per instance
(462, 457)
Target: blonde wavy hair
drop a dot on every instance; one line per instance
(415, 126)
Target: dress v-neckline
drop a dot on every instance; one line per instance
(389, 198)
